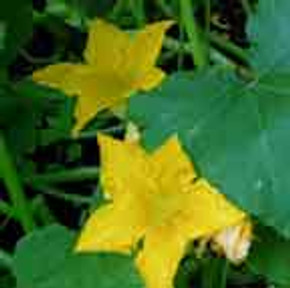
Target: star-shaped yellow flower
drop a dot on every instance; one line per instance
(156, 198)
(116, 64)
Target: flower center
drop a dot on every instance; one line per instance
(165, 207)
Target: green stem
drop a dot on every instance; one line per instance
(41, 211)
(206, 273)
(207, 17)
(246, 6)
(174, 45)
(229, 47)
(224, 276)
(116, 10)
(197, 47)
(218, 41)
(38, 60)
(165, 8)
(57, 193)
(180, 53)
(74, 175)
(6, 259)
(93, 134)
(14, 187)
(137, 8)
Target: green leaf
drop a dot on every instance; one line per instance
(15, 28)
(217, 122)
(46, 259)
(269, 30)
(270, 256)
(38, 255)
(237, 133)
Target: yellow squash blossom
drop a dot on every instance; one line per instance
(158, 199)
(116, 64)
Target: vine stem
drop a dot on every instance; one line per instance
(73, 175)
(223, 282)
(14, 187)
(59, 194)
(165, 8)
(6, 259)
(247, 7)
(198, 52)
(218, 41)
(137, 8)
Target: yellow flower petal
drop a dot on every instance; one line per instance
(159, 259)
(121, 164)
(117, 65)
(107, 46)
(98, 92)
(158, 198)
(207, 211)
(149, 80)
(63, 76)
(173, 169)
(113, 227)
(146, 48)
(95, 91)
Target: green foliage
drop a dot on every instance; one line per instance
(234, 126)
(270, 256)
(270, 38)
(6, 278)
(92, 8)
(236, 131)
(45, 259)
(15, 28)
(75, 12)
(32, 115)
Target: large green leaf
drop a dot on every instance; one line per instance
(270, 256)
(15, 28)
(45, 259)
(236, 132)
(269, 30)
(38, 255)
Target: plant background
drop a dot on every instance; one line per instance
(49, 177)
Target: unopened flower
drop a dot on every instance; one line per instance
(132, 133)
(235, 241)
